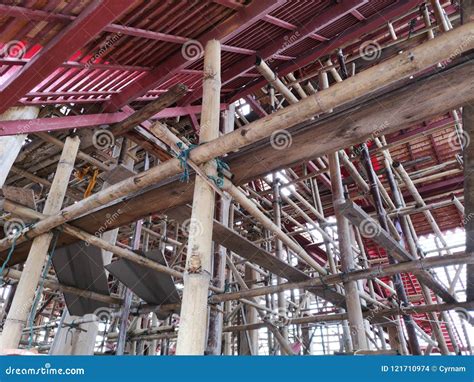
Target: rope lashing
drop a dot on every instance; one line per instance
(221, 167)
(183, 158)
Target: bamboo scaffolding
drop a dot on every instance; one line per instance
(404, 65)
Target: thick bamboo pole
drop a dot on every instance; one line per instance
(383, 313)
(458, 40)
(274, 81)
(383, 221)
(354, 309)
(362, 274)
(23, 300)
(124, 253)
(80, 154)
(279, 251)
(193, 316)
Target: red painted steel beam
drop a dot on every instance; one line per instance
(84, 28)
(363, 27)
(319, 22)
(87, 120)
(34, 14)
(166, 70)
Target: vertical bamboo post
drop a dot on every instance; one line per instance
(10, 146)
(274, 81)
(216, 316)
(439, 14)
(354, 310)
(383, 220)
(193, 321)
(279, 251)
(25, 293)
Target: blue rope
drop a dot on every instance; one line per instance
(183, 157)
(31, 318)
(221, 166)
(7, 260)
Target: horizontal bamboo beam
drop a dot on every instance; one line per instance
(408, 63)
(56, 286)
(370, 315)
(363, 274)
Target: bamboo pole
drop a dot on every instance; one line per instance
(354, 309)
(124, 253)
(382, 313)
(279, 251)
(383, 221)
(362, 274)
(253, 210)
(193, 316)
(54, 285)
(274, 81)
(23, 300)
(80, 154)
(458, 40)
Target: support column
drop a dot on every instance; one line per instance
(216, 316)
(383, 221)
(279, 251)
(468, 156)
(25, 293)
(193, 317)
(354, 310)
(10, 146)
